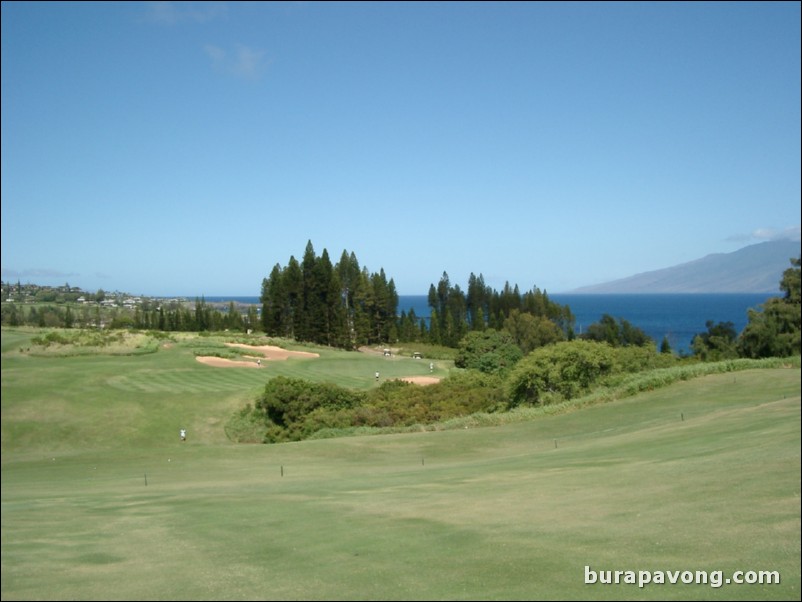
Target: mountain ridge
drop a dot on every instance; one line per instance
(756, 268)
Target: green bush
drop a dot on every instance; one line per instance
(569, 369)
(559, 371)
(294, 409)
(287, 402)
(489, 351)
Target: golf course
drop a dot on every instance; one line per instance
(689, 491)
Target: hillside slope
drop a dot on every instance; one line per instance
(753, 269)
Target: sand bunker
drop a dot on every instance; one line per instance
(421, 380)
(268, 352)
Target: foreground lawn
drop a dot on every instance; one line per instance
(701, 476)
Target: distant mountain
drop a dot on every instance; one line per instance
(753, 269)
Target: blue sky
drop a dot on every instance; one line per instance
(187, 148)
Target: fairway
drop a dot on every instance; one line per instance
(100, 500)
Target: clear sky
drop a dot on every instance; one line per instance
(172, 148)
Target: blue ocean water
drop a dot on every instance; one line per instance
(677, 317)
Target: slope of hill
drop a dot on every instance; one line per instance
(753, 269)
(701, 476)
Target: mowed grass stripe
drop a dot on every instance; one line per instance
(188, 380)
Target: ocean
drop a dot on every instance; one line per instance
(677, 317)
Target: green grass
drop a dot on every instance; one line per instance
(101, 501)
(110, 400)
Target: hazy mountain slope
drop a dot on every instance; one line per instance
(753, 269)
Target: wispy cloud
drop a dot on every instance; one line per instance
(170, 13)
(218, 56)
(768, 234)
(244, 62)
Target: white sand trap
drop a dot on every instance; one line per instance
(269, 352)
(421, 380)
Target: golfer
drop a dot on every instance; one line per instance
(183, 434)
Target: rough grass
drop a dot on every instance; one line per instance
(100, 500)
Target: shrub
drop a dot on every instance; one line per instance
(286, 403)
(560, 371)
(488, 351)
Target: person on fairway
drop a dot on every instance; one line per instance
(183, 434)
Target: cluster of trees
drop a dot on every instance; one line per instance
(531, 317)
(343, 305)
(497, 351)
(43, 316)
(198, 317)
(773, 330)
(619, 333)
(173, 316)
(339, 305)
(570, 369)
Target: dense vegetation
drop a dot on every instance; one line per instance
(291, 409)
(511, 349)
(70, 307)
(294, 409)
(347, 306)
(772, 331)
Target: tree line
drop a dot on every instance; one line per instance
(773, 330)
(150, 314)
(345, 305)
(348, 306)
